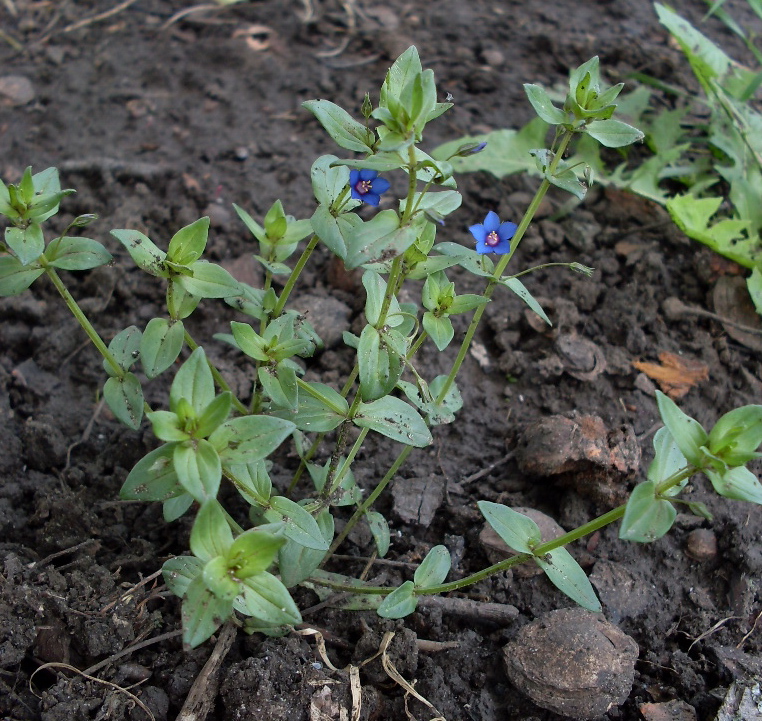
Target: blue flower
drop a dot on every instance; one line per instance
(492, 236)
(367, 186)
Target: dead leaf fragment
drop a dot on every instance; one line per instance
(676, 375)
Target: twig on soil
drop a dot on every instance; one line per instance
(195, 9)
(100, 16)
(675, 309)
(349, 8)
(131, 590)
(91, 678)
(85, 435)
(486, 471)
(717, 626)
(201, 697)
(427, 646)
(132, 649)
(112, 166)
(498, 613)
(45, 561)
(751, 631)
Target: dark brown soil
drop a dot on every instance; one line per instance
(156, 124)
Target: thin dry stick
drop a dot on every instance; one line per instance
(132, 649)
(186, 12)
(95, 679)
(200, 700)
(97, 18)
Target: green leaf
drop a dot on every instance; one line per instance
(78, 254)
(194, 383)
(436, 414)
(395, 419)
(124, 348)
(253, 552)
(687, 432)
(27, 244)
(188, 244)
(646, 517)
(380, 365)
(379, 529)
(179, 572)
(335, 231)
(381, 238)
(433, 569)
(211, 535)
(153, 477)
(252, 481)
(400, 602)
(613, 133)
(727, 237)
(143, 251)
(736, 437)
(738, 483)
(256, 230)
(268, 600)
(439, 328)
(520, 290)
(280, 385)
(466, 302)
(341, 126)
(668, 460)
(175, 507)
(202, 613)
(297, 562)
(329, 180)
(320, 409)
(543, 105)
(15, 278)
(519, 532)
(218, 581)
(198, 468)
(160, 345)
(214, 415)
(249, 438)
(405, 68)
(567, 575)
(167, 426)
(300, 526)
(124, 396)
(209, 281)
(754, 283)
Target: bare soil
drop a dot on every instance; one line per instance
(157, 120)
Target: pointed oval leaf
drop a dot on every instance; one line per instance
(434, 568)
(613, 133)
(253, 552)
(379, 529)
(646, 517)
(543, 105)
(78, 254)
(209, 281)
(739, 483)
(687, 432)
(153, 478)
(179, 572)
(250, 438)
(198, 468)
(202, 613)
(341, 126)
(265, 598)
(15, 278)
(737, 435)
(300, 525)
(160, 345)
(399, 603)
(395, 419)
(297, 562)
(194, 382)
(567, 575)
(211, 535)
(175, 507)
(520, 532)
(188, 244)
(143, 251)
(27, 244)
(218, 581)
(124, 396)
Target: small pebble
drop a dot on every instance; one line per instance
(701, 545)
(669, 711)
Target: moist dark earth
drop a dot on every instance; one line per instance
(157, 117)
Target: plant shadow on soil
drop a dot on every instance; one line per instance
(156, 125)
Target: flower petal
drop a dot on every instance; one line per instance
(371, 198)
(479, 232)
(503, 247)
(380, 185)
(492, 221)
(507, 230)
(368, 174)
(354, 178)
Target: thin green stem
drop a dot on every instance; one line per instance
(500, 267)
(347, 464)
(79, 314)
(295, 273)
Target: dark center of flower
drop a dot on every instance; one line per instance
(364, 186)
(492, 239)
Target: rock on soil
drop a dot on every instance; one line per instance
(573, 662)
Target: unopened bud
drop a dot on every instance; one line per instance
(83, 220)
(367, 106)
(583, 269)
(470, 149)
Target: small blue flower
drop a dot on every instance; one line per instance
(367, 186)
(492, 236)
